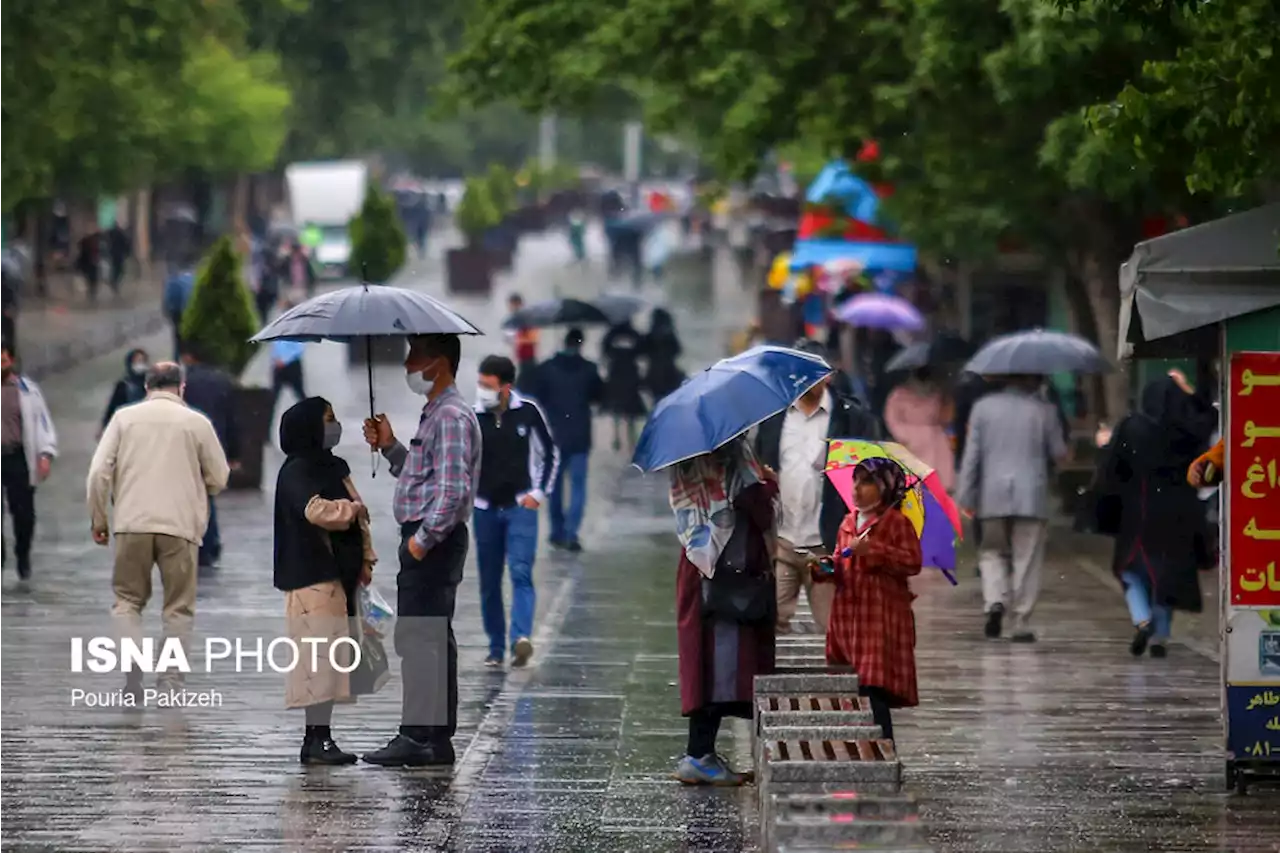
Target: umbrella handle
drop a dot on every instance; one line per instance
(368, 360)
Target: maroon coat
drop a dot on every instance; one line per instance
(720, 660)
(872, 627)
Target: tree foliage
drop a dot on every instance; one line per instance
(1211, 104)
(221, 316)
(378, 243)
(477, 211)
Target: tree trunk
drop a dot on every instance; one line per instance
(1099, 270)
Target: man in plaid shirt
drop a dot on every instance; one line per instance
(436, 483)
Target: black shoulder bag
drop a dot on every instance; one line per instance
(736, 593)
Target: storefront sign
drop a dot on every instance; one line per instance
(1253, 479)
(1255, 722)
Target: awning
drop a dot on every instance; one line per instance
(1201, 276)
(897, 257)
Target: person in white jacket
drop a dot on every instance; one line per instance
(29, 447)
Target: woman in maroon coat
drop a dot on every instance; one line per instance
(872, 627)
(719, 658)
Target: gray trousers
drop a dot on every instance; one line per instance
(1010, 560)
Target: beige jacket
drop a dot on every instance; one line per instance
(158, 463)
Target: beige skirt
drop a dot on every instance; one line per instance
(317, 611)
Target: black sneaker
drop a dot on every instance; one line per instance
(1158, 650)
(404, 751)
(995, 619)
(559, 544)
(322, 750)
(1141, 636)
(24, 567)
(1023, 636)
(493, 662)
(574, 546)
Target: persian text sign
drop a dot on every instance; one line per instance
(1254, 715)
(1253, 479)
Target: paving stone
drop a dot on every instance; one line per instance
(814, 682)
(842, 829)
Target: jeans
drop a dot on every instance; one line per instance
(506, 535)
(564, 528)
(20, 496)
(1137, 594)
(211, 547)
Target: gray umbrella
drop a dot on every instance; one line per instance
(619, 306)
(1037, 352)
(366, 311)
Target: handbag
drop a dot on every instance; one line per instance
(736, 593)
(373, 671)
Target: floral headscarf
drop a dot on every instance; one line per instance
(888, 475)
(703, 490)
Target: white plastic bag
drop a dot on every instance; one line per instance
(377, 614)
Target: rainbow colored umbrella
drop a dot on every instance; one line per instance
(927, 504)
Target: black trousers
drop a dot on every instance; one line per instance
(880, 711)
(288, 376)
(266, 300)
(426, 592)
(20, 496)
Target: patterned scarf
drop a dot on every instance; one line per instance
(703, 490)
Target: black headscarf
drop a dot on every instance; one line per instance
(302, 440)
(1181, 423)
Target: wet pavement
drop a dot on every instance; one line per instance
(1067, 745)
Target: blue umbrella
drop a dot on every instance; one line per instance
(724, 401)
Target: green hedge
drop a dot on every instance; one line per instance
(476, 211)
(378, 242)
(221, 317)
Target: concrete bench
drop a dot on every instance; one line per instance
(848, 762)
(840, 831)
(801, 681)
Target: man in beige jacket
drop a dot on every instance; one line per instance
(158, 462)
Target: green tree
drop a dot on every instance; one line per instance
(979, 107)
(221, 316)
(476, 211)
(502, 188)
(1209, 105)
(378, 241)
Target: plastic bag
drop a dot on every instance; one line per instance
(378, 615)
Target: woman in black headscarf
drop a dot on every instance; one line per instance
(130, 388)
(623, 346)
(1145, 502)
(322, 552)
(662, 347)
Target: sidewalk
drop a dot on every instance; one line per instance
(1067, 745)
(65, 329)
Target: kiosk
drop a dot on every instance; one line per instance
(1214, 291)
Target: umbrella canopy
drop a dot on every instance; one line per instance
(556, 312)
(927, 504)
(619, 306)
(724, 401)
(1037, 352)
(880, 311)
(946, 348)
(366, 311)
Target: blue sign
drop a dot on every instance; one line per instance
(1253, 723)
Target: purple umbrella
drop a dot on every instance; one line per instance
(880, 311)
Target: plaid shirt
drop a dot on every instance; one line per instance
(438, 472)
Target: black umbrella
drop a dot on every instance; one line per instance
(619, 306)
(945, 348)
(557, 312)
(366, 312)
(1037, 352)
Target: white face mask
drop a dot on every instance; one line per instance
(419, 384)
(139, 368)
(332, 435)
(487, 398)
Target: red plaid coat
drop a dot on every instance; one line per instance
(872, 628)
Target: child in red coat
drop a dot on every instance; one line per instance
(872, 627)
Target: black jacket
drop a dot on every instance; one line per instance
(305, 554)
(518, 455)
(212, 391)
(129, 389)
(849, 419)
(567, 385)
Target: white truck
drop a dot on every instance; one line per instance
(323, 198)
